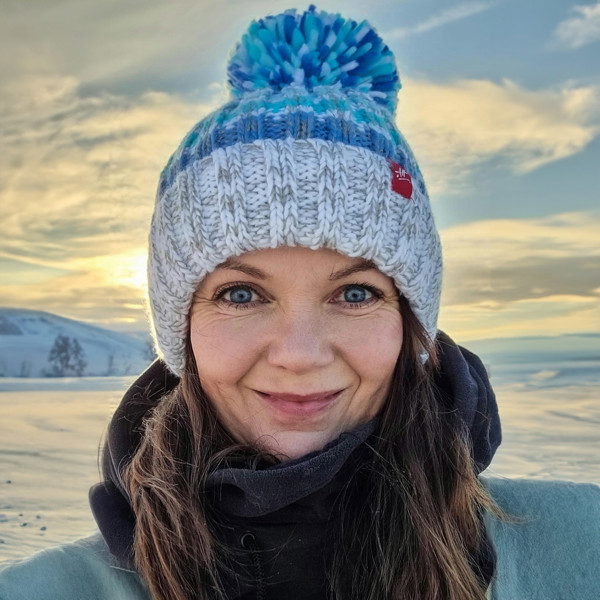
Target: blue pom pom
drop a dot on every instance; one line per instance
(314, 49)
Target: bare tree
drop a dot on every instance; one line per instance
(66, 357)
(77, 362)
(59, 356)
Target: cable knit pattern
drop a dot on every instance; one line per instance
(301, 155)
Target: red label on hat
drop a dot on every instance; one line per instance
(401, 181)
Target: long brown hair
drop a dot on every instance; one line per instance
(408, 515)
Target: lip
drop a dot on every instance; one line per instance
(298, 398)
(300, 406)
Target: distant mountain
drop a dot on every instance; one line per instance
(27, 336)
(536, 349)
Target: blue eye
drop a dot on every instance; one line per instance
(355, 293)
(241, 294)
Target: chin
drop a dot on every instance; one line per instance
(290, 445)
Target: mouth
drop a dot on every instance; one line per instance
(300, 406)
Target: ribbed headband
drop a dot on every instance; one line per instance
(306, 153)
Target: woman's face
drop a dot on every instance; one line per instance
(289, 320)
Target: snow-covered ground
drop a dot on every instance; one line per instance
(51, 430)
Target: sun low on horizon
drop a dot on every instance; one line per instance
(500, 102)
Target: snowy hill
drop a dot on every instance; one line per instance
(27, 336)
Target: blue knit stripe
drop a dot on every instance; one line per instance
(297, 125)
(362, 112)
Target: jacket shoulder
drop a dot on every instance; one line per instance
(553, 548)
(80, 570)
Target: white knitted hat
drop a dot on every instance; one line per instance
(306, 153)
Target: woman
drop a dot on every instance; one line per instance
(309, 432)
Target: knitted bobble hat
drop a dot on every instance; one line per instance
(306, 153)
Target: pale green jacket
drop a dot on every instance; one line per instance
(553, 555)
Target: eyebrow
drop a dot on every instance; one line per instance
(234, 264)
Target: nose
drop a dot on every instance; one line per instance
(300, 343)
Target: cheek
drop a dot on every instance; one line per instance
(372, 346)
(224, 348)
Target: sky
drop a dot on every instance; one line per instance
(500, 102)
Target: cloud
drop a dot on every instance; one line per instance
(86, 295)
(455, 127)
(79, 174)
(546, 316)
(122, 47)
(506, 277)
(104, 289)
(509, 241)
(449, 15)
(581, 29)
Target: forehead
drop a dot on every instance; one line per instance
(265, 263)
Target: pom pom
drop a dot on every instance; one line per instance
(313, 49)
